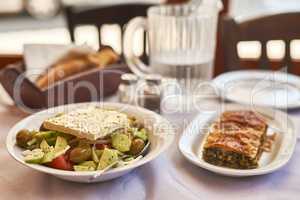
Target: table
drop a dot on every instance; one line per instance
(170, 176)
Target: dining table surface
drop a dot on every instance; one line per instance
(170, 176)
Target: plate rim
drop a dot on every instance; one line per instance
(56, 172)
(219, 80)
(236, 172)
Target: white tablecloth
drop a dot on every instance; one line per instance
(170, 176)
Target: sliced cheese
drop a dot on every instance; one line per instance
(90, 123)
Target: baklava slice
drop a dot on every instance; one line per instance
(235, 140)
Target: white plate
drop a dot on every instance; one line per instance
(260, 87)
(161, 137)
(193, 138)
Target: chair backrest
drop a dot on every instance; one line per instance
(116, 14)
(285, 27)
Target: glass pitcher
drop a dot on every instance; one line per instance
(182, 41)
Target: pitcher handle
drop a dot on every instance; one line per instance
(134, 62)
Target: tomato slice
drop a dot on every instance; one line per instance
(61, 163)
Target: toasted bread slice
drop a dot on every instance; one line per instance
(90, 123)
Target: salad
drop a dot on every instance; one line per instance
(78, 152)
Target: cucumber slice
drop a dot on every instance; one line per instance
(90, 164)
(48, 157)
(94, 155)
(142, 134)
(34, 157)
(45, 134)
(99, 153)
(121, 142)
(128, 159)
(51, 141)
(81, 168)
(108, 157)
(49, 136)
(45, 147)
(61, 143)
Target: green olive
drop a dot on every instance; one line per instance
(23, 137)
(137, 146)
(79, 154)
(73, 143)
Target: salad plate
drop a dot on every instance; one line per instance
(193, 140)
(268, 88)
(160, 136)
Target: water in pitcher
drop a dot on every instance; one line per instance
(188, 71)
(185, 78)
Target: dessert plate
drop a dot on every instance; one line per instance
(260, 87)
(193, 138)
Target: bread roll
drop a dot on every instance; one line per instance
(74, 63)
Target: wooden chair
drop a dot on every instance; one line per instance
(284, 27)
(9, 59)
(219, 57)
(116, 14)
